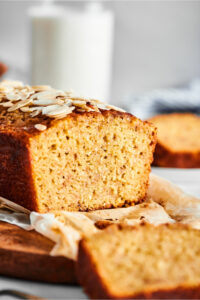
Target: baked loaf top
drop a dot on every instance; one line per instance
(35, 108)
(140, 262)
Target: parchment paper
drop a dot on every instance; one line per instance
(164, 203)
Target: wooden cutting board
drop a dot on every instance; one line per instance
(25, 254)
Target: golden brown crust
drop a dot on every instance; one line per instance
(16, 182)
(26, 123)
(25, 254)
(87, 275)
(163, 157)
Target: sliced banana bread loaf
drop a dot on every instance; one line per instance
(62, 152)
(178, 140)
(153, 262)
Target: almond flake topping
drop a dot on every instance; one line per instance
(44, 100)
(40, 127)
(6, 104)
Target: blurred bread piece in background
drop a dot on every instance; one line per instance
(3, 69)
(178, 140)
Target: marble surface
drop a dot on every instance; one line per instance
(188, 180)
(44, 290)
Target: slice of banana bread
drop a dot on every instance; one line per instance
(61, 152)
(178, 140)
(153, 262)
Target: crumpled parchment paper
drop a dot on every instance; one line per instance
(164, 203)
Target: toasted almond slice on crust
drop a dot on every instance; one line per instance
(25, 109)
(79, 102)
(115, 108)
(41, 87)
(19, 104)
(50, 108)
(47, 95)
(40, 127)
(13, 97)
(60, 111)
(11, 83)
(35, 113)
(6, 104)
(102, 106)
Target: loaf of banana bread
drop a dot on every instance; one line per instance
(62, 152)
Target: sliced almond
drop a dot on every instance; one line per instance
(35, 113)
(50, 108)
(11, 83)
(47, 95)
(40, 127)
(68, 101)
(79, 102)
(82, 105)
(24, 94)
(45, 102)
(13, 97)
(78, 98)
(41, 87)
(19, 104)
(93, 108)
(33, 108)
(25, 109)
(6, 104)
(89, 109)
(94, 101)
(115, 108)
(60, 111)
(60, 116)
(102, 106)
(4, 89)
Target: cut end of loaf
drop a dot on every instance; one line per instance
(92, 161)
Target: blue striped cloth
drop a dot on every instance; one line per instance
(161, 101)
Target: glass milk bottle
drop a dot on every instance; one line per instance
(73, 49)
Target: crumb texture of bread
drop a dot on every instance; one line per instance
(80, 156)
(178, 140)
(140, 262)
(92, 161)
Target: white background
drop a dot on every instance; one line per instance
(157, 43)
